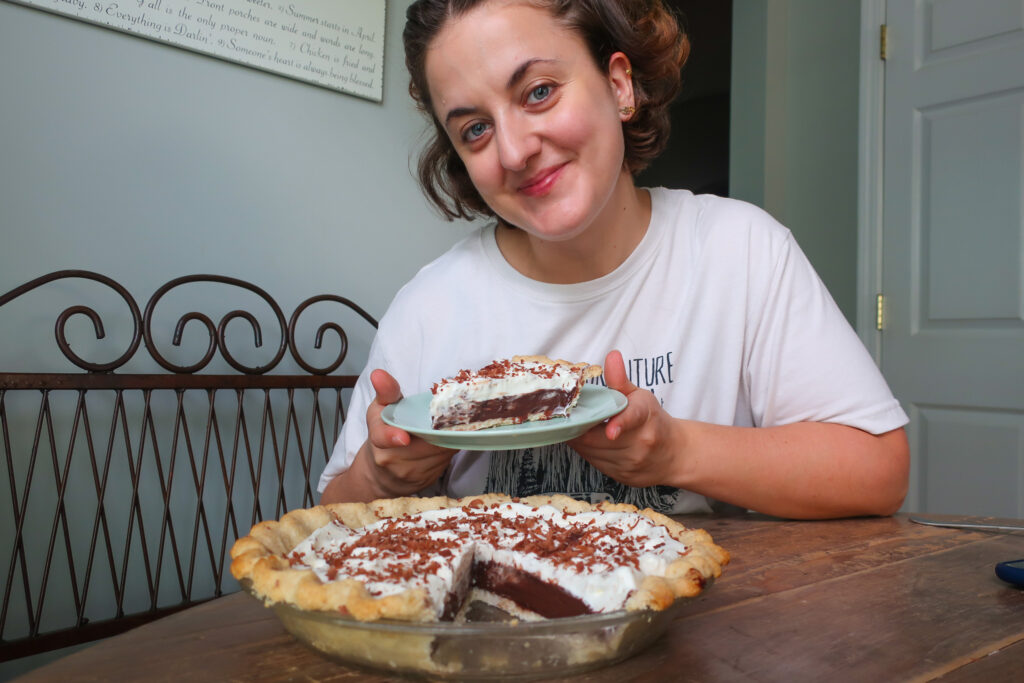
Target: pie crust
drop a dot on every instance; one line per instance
(589, 371)
(261, 558)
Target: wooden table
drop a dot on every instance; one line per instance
(867, 599)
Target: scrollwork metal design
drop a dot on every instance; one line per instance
(319, 339)
(68, 313)
(217, 331)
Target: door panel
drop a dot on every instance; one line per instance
(972, 158)
(958, 475)
(953, 248)
(955, 23)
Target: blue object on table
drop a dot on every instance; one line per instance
(1011, 572)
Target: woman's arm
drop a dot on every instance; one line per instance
(807, 470)
(804, 470)
(390, 462)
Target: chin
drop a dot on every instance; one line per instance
(554, 227)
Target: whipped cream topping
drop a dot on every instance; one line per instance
(598, 557)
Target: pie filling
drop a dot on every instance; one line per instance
(527, 591)
(537, 405)
(546, 561)
(453, 602)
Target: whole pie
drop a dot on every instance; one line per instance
(419, 559)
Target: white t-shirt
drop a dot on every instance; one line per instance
(717, 312)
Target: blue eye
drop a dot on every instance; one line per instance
(474, 131)
(540, 93)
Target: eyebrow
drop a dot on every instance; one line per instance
(520, 72)
(513, 80)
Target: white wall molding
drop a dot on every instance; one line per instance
(870, 173)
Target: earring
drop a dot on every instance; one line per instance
(629, 72)
(627, 111)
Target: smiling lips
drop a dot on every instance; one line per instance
(542, 183)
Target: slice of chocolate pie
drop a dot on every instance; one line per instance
(418, 558)
(521, 389)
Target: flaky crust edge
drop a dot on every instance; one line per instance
(589, 370)
(261, 558)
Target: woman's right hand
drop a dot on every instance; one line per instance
(392, 462)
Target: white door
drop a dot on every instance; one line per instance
(953, 248)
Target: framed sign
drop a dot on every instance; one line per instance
(336, 44)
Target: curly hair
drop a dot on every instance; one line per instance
(646, 31)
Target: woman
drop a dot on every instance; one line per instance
(745, 383)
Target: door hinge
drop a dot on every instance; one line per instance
(883, 42)
(879, 311)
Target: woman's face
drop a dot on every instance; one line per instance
(533, 118)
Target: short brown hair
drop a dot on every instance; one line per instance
(645, 30)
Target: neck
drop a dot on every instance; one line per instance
(597, 251)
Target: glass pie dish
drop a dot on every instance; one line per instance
(489, 645)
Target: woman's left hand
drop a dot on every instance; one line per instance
(641, 446)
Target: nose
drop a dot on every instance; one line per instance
(517, 141)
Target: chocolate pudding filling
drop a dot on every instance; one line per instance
(544, 404)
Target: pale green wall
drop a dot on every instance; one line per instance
(747, 89)
(146, 162)
(794, 128)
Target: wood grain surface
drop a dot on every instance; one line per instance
(879, 599)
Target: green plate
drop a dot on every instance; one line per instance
(596, 404)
